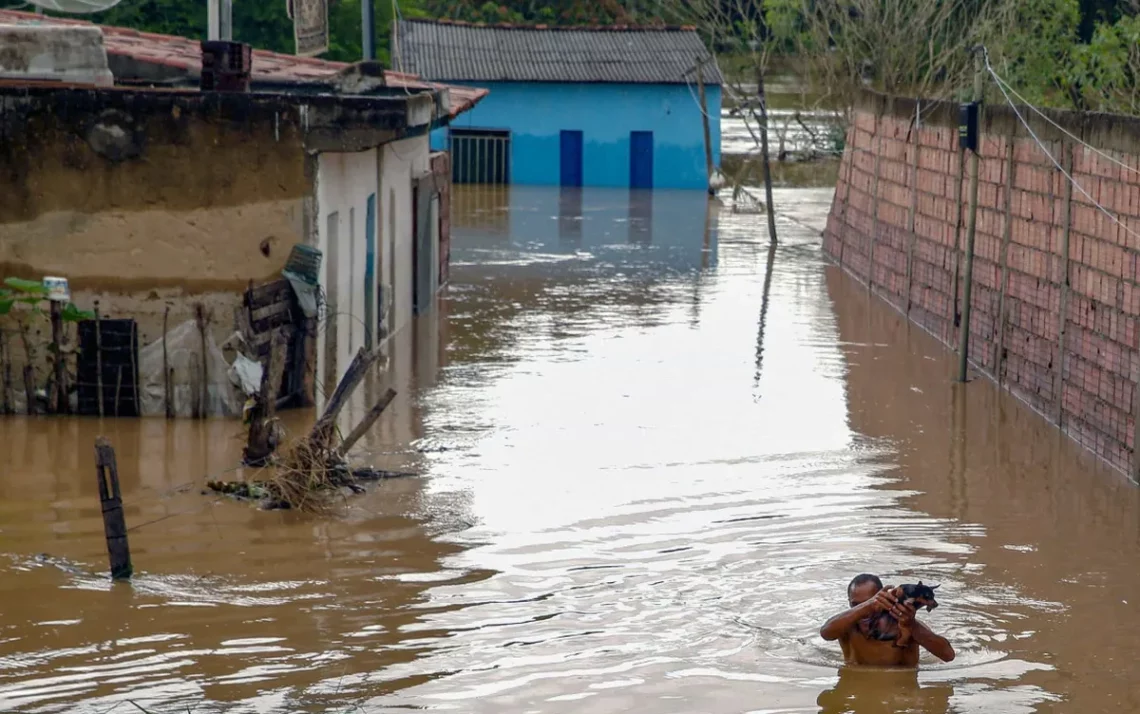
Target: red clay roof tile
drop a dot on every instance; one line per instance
(185, 53)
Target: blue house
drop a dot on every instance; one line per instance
(571, 106)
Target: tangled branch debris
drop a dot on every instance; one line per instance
(314, 470)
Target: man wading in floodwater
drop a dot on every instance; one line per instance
(852, 628)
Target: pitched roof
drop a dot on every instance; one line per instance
(452, 51)
(185, 53)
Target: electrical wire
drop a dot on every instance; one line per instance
(1060, 128)
(1045, 151)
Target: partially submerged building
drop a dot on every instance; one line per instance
(161, 202)
(609, 106)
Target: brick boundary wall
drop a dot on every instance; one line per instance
(1056, 294)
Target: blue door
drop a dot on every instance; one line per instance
(370, 310)
(641, 159)
(572, 158)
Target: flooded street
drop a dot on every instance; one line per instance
(653, 453)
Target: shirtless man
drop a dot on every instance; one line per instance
(867, 597)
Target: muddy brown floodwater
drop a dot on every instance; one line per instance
(649, 467)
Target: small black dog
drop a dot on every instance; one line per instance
(885, 627)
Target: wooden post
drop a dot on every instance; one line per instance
(770, 209)
(366, 423)
(29, 372)
(195, 389)
(357, 369)
(705, 116)
(971, 226)
(262, 441)
(99, 360)
(134, 376)
(1066, 281)
(58, 398)
(111, 500)
(168, 402)
(200, 316)
(118, 388)
(912, 215)
(956, 316)
(5, 376)
(1006, 234)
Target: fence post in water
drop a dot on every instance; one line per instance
(58, 397)
(166, 400)
(98, 359)
(968, 278)
(6, 377)
(111, 500)
(200, 316)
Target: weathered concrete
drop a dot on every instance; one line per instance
(1056, 295)
(73, 54)
(145, 199)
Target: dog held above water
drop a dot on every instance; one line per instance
(879, 627)
(885, 626)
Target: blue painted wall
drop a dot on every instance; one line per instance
(536, 113)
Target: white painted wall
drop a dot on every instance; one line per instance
(344, 182)
(401, 162)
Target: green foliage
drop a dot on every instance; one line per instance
(17, 291)
(263, 24)
(29, 287)
(1033, 50)
(1106, 72)
(70, 313)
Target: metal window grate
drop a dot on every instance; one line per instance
(480, 156)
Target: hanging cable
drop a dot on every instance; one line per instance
(1045, 151)
(1063, 130)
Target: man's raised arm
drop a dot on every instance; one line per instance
(936, 645)
(838, 625)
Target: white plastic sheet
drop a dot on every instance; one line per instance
(78, 7)
(184, 356)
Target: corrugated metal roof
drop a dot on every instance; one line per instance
(452, 52)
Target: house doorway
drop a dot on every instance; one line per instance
(370, 271)
(571, 159)
(641, 159)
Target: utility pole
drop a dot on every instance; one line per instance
(368, 28)
(705, 115)
(219, 20)
(769, 209)
(968, 277)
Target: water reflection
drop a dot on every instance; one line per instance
(868, 691)
(637, 496)
(570, 216)
(641, 216)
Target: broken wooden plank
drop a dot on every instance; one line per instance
(322, 431)
(269, 293)
(366, 423)
(262, 441)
